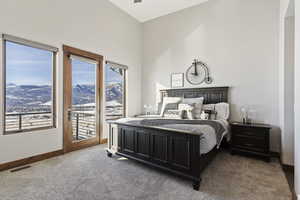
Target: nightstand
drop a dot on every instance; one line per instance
(251, 139)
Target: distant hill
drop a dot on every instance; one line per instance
(26, 98)
(21, 98)
(113, 91)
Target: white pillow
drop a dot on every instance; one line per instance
(197, 103)
(193, 100)
(169, 100)
(222, 110)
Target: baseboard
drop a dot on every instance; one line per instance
(103, 141)
(32, 159)
(275, 154)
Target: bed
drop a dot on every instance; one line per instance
(174, 145)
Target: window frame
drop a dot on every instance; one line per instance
(9, 38)
(125, 68)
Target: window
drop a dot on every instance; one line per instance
(115, 84)
(29, 80)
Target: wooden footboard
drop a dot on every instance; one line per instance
(175, 152)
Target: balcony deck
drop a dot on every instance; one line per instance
(83, 122)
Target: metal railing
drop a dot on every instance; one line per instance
(112, 116)
(114, 112)
(84, 125)
(15, 122)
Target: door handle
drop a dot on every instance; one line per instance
(69, 114)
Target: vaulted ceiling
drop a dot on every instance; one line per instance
(150, 9)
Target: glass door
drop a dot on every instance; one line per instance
(82, 89)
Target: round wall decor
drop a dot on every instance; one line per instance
(198, 73)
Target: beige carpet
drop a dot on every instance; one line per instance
(90, 175)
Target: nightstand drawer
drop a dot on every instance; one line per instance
(249, 132)
(250, 139)
(249, 143)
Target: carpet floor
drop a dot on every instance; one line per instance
(90, 175)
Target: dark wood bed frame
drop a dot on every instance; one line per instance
(173, 151)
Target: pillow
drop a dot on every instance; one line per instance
(169, 102)
(192, 100)
(188, 110)
(159, 107)
(204, 115)
(197, 103)
(218, 111)
(222, 110)
(173, 114)
(210, 109)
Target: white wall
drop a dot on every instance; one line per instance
(289, 58)
(297, 98)
(283, 8)
(97, 26)
(286, 80)
(239, 41)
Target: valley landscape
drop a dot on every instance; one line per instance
(32, 104)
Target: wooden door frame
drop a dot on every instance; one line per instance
(68, 143)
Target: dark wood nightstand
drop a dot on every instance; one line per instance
(251, 139)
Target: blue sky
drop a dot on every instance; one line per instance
(27, 65)
(112, 76)
(31, 66)
(83, 73)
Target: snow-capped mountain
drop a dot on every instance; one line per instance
(113, 92)
(26, 98)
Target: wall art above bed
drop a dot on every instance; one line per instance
(177, 80)
(198, 73)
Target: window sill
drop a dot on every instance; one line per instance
(29, 130)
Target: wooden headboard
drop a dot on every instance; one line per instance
(210, 94)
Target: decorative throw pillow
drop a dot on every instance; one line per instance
(204, 116)
(217, 111)
(197, 110)
(210, 109)
(173, 114)
(222, 110)
(188, 110)
(169, 102)
(197, 103)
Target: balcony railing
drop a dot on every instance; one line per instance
(16, 122)
(83, 123)
(114, 112)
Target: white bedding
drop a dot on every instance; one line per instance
(209, 141)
